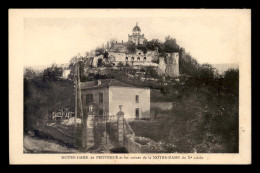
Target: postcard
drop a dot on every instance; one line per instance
(130, 86)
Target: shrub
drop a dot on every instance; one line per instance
(120, 64)
(131, 48)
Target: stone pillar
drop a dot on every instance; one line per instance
(89, 137)
(172, 64)
(161, 66)
(120, 126)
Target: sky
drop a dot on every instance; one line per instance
(209, 39)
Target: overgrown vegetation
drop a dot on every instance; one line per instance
(45, 92)
(204, 118)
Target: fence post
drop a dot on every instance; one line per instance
(124, 130)
(106, 126)
(89, 140)
(120, 125)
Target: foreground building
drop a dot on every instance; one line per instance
(107, 94)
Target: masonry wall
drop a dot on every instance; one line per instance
(126, 96)
(161, 66)
(172, 64)
(122, 56)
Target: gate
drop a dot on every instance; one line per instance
(104, 131)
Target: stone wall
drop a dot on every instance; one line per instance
(161, 66)
(172, 64)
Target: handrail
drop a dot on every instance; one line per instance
(129, 127)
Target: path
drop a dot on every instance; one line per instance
(37, 145)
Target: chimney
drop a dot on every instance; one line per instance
(122, 41)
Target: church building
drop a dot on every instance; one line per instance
(121, 54)
(136, 36)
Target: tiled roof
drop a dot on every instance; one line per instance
(105, 83)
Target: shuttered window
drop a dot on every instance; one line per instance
(137, 98)
(89, 99)
(100, 97)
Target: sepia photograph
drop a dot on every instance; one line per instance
(106, 82)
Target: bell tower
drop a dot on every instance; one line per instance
(136, 36)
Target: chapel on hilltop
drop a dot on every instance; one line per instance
(119, 53)
(136, 36)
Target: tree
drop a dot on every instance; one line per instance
(131, 48)
(99, 51)
(231, 81)
(52, 73)
(112, 41)
(153, 44)
(43, 93)
(29, 73)
(187, 64)
(170, 45)
(142, 48)
(206, 71)
(150, 72)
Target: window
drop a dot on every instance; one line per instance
(138, 59)
(133, 58)
(137, 113)
(100, 97)
(144, 58)
(89, 99)
(137, 98)
(100, 111)
(126, 58)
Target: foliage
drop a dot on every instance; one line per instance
(150, 72)
(153, 45)
(52, 73)
(187, 64)
(120, 64)
(142, 48)
(231, 78)
(99, 51)
(131, 48)
(169, 46)
(112, 42)
(204, 116)
(127, 64)
(206, 73)
(30, 73)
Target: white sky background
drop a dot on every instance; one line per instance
(209, 39)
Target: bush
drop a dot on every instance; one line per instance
(127, 64)
(131, 48)
(120, 64)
